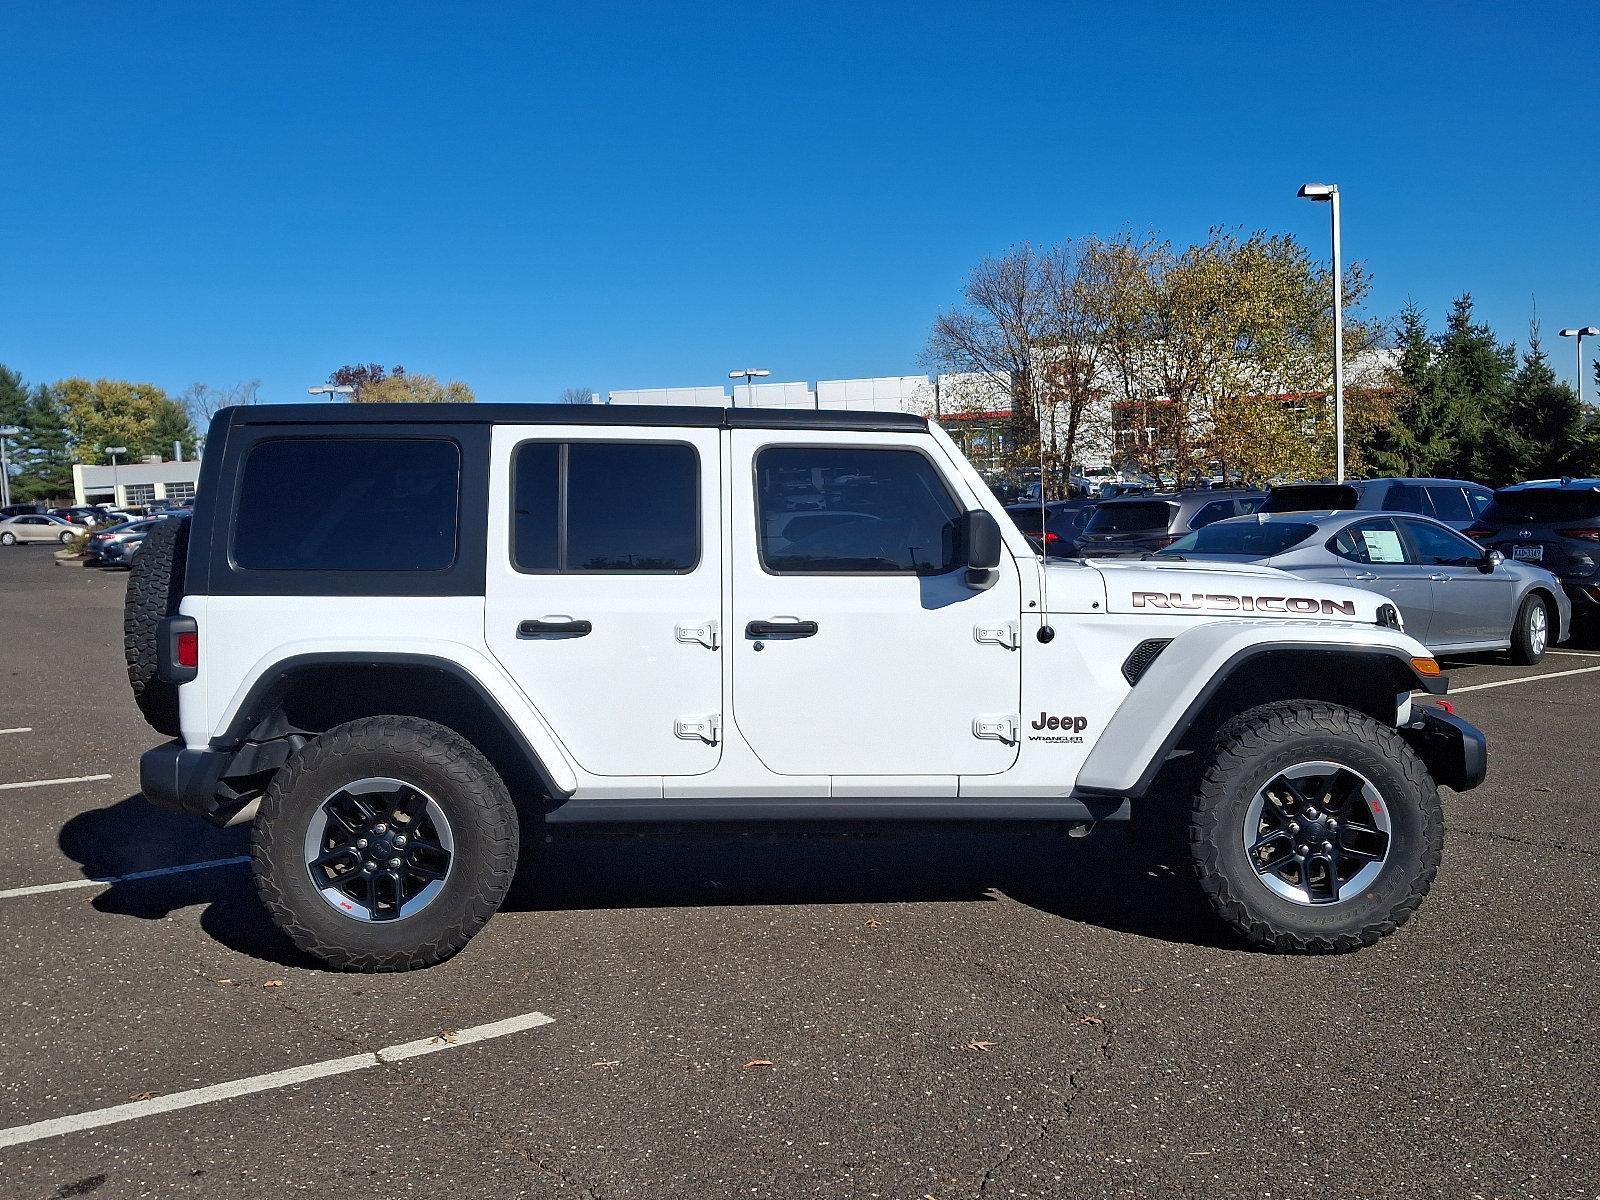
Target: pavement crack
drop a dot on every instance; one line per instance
(1494, 835)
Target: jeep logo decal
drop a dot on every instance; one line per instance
(1067, 724)
(1213, 602)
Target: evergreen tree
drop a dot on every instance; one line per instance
(44, 449)
(1423, 437)
(1474, 381)
(172, 424)
(1537, 430)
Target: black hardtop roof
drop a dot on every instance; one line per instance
(655, 415)
(1179, 497)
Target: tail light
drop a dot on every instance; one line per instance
(1047, 537)
(1161, 543)
(1478, 532)
(178, 649)
(1588, 535)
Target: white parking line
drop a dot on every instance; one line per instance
(6, 787)
(1478, 687)
(108, 880)
(1569, 653)
(19, 729)
(132, 1111)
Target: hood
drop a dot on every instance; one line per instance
(1169, 587)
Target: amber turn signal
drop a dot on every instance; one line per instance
(1424, 666)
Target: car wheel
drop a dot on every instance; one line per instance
(66, 538)
(154, 591)
(385, 845)
(1530, 637)
(8, 538)
(1315, 829)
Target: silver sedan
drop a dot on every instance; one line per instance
(1453, 595)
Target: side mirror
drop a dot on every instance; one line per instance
(983, 543)
(1490, 560)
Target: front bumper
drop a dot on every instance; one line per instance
(1455, 752)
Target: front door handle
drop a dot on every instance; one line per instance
(780, 629)
(1365, 576)
(535, 628)
(1440, 578)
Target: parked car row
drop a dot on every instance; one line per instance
(1468, 568)
(112, 545)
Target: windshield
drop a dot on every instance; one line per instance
(1255, 539)
(1134, 516)
(1537, 507)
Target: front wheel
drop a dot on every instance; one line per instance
(385, 845)
(1315, 829)
(1530, 637)
(8, 538)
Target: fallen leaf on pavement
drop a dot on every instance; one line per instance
(1091, 1020)
(975, 1044)
(874, 923)
(273, 983)
(142, 1095)
(756, 1062)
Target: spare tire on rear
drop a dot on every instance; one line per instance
(155, 589)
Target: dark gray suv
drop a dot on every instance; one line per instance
(1456, 502)
(1136, 525)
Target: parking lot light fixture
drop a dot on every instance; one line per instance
(332, 390)
(748, 375)
(116, 477)
(1329, 193)
(6, 431)
(1580, 334)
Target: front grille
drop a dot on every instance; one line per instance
(1143, 655)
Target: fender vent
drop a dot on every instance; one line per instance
(1143, 655)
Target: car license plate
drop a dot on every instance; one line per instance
(1528, 553)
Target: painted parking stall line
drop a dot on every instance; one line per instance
(18, 729)
(33, 783)
(134, 1110)
(107, 880)
(1499, 683)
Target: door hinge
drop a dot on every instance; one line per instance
(705, 635)
(997, 728)
(702, 729)
(1002, 634)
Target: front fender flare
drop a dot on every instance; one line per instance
(1172, 693)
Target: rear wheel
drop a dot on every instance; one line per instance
(1530, 637)
(385, 845)
(8, 538)
(1314, 829)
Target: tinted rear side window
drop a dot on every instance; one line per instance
(1535, 508)
(1255, 538)
(1408, 497)
(1134, 516)
(348, 504)
(1450, 503)
(606, 506)
(1311, 497)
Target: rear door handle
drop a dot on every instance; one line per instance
(1365, 576)
(1441, 578)
(780, 629)
(535, 628)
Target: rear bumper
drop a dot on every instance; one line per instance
(175, 777)
(1455, 752)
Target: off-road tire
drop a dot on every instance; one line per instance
(1248, 752)
(450, 770)
(1525, 650)
(155, 589)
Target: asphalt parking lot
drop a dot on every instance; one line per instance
(905, 1012)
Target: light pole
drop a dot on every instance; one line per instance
(1329, 193)
(1580, 334)
(331, 389)
(116, 476)
(6, 431)
(748, 375)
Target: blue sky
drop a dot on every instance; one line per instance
(532, 197)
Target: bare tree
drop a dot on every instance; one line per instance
(204, 401)
(577, 395)
(1002, 325)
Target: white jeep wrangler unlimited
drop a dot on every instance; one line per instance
(391, 635)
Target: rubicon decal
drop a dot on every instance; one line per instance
(1214, 602)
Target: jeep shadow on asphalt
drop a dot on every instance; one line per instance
(1130, 887)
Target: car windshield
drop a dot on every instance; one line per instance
(1257, 539)
(1133, 516)
(1311, 497)
(1537, 507)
